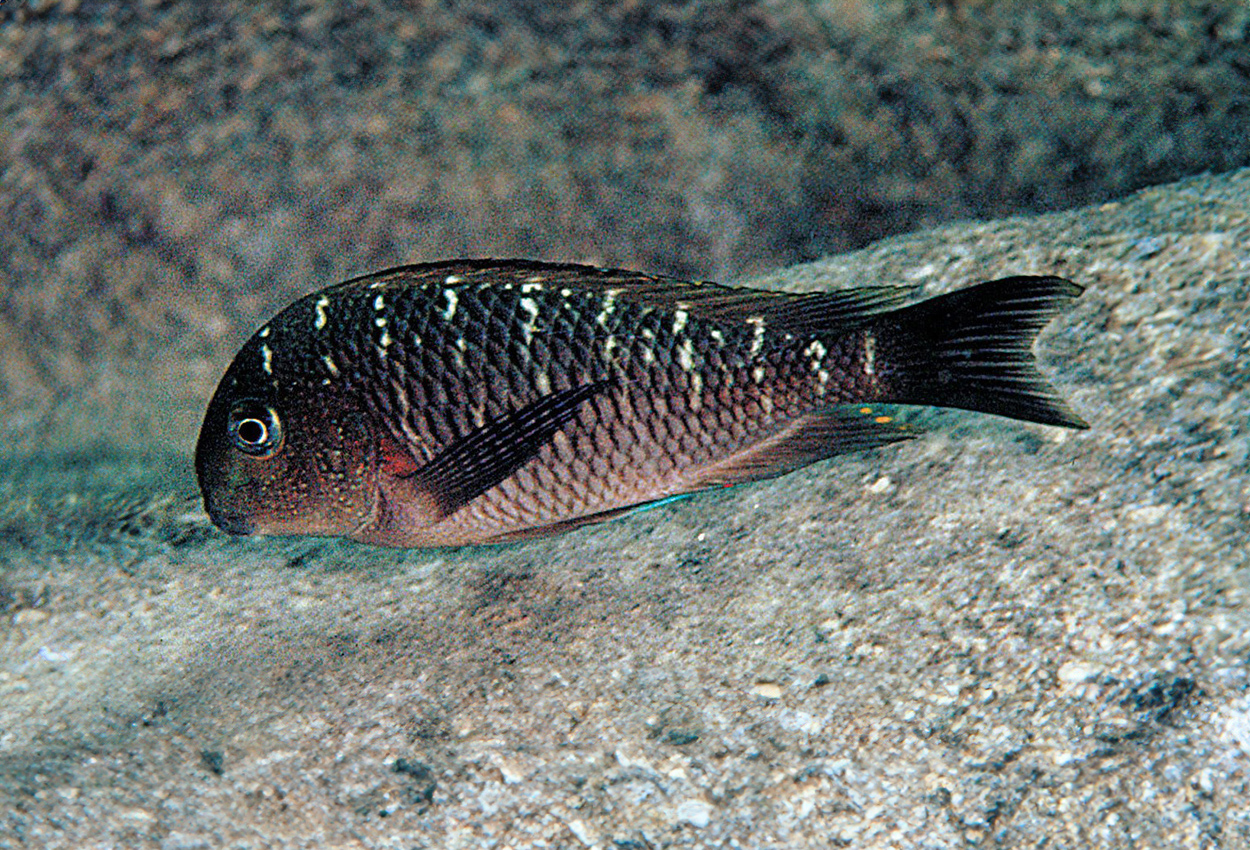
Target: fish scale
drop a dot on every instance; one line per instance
(585, 470)
(484, 401)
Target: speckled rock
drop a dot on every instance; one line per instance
(998, 635)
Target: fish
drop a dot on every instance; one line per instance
(475, 402)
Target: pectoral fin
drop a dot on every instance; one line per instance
(487, 455)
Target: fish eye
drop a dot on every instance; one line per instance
(255, 429)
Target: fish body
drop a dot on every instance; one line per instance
(483, 401)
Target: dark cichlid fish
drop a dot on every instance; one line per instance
(482, 401)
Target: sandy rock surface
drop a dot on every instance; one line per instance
(997, 635)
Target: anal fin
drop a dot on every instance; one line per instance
(805, 440)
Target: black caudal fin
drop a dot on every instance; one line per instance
(972, 349)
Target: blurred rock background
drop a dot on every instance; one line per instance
(171, 173)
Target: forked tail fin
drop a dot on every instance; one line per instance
(972, 349)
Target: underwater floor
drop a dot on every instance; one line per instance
(999, 634)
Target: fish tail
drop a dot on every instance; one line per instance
(972, 349)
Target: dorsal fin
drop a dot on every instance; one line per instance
(801, 314)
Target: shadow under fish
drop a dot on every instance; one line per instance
(482, 401)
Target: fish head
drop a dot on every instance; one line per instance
(279, 455)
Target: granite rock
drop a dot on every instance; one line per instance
(1000, 634)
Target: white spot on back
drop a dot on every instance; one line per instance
(322, 304)
(266, 357)
(379, 303)
(816, 352)
(757, 338)
(452, 280)
(685, 355)
(331, 365)
(264, 332)
(534, 285)
(543, 383)
(870, 354)
(530, 306)
(680, 317)
(718, 336)
(758, 374)
(565, 293)
(609, 305)
(452, 298)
